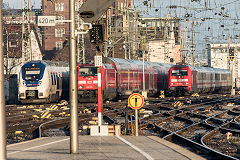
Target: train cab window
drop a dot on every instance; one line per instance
(32, 74)
(57, 78)
(52, 78)
(90, 71)
(179, 72)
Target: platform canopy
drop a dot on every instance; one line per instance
(91, 10)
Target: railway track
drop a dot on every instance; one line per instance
(23, 121)
(217, 140)
(178, 121)
(206, 117)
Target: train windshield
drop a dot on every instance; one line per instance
(179, 72)
(32, 74)
(89, 71)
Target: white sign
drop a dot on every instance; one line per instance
(91, 10)
(98, 61)
(46, 20)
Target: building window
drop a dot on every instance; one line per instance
(59, 45)
(59, 6)
(13, 44)
(59, 32)
(60, 18)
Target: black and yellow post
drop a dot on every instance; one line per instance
(231, 58)
(162, 95)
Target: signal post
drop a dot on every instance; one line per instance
(231, 58)
(90, 11)
(136, 101)
(96, 37)
(98, 63)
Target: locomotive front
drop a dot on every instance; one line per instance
(30, 81)
(179, 80)
(87, 83)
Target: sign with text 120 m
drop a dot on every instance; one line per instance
(46, 20)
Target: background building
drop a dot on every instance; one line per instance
(13, 37)
(55, 39)
(218, 57)
(162, 39)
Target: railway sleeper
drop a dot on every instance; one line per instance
(222, 131)
(195, 147)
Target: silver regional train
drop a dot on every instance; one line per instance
(43, 82)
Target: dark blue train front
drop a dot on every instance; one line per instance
(41, 81)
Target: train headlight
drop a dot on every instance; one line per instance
(24, 83)
(39, 83)
(186, 83)
(172, 83)
(81, 87)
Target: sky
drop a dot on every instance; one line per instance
(214, 20)
(18, 3)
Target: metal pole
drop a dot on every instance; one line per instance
(73, 84)
(125, 32)
(135, 34)
(78, 44)
(143, 71)
(126, 120)
(23, 32)
(128, 30)
(136, 122)
(29, 29)
(106, 36)
(144, 93)
(7, 52)
(186, 48)
(192, 47)
(143, 52)
(83, 49)
(2, 97)
(232, 90)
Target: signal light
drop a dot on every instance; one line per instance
(231, 51)
(96, 33)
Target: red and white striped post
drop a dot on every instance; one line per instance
(98, 62)
(99, 96)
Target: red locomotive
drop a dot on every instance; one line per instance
(187, 79)
(120, 78)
